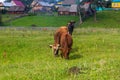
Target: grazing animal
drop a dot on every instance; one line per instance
(58, 34)
(63, 42)
(65, 45)
(71, 27)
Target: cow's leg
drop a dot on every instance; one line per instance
(56, 53)
(70, 32)
(66, 56)
(61, 55)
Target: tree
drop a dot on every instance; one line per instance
(80, 18)
(82, 9)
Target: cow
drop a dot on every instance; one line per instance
(63, 42)
(71, 27)
(65, 45)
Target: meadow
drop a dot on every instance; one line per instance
(25, 55)
(25, 52)
(105, 19)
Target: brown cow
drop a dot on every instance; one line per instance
(58, 34)
(62, 41)
(65, 45)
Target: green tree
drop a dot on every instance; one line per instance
(92, 5)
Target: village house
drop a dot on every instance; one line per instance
(1, 6)
(13, 7)
(40, 6)
(68, 2)
(73, 9)
(69, 7)
(63, 11)
(17, 7)
(5, 5)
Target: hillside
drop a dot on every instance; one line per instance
(106, 19)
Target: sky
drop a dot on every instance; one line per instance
(2, 0)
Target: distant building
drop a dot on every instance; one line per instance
(68, 2)
(17, 7)
(69, 7)
(5, 5)
(17, 3)
(14, 7)
(72, 10)
(40, 6)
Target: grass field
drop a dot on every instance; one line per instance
(25, 55)
(105, 19)
(42, 21)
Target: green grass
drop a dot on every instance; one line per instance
(105, 19)
(25, 55)
(43, 21)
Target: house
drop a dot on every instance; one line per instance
(4, 6)
(68, 2)
(17, 3)
(72, 10)
(17, 8)
(69, 7)
(63, 11)
(40, 6)
(14, 7)
(1, 6)
(36, 6)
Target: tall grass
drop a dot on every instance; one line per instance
(25, 55)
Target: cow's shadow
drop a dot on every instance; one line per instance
(76, 55)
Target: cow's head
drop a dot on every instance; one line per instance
(71, 23)
(55, 48)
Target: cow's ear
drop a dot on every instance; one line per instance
(50, 46)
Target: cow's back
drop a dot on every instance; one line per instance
(58, 33)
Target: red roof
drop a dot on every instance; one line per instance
(18, 3)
